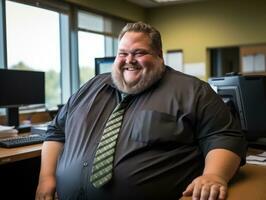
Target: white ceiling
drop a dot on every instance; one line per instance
(152, 3)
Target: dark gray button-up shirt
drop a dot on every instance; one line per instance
(166, 133)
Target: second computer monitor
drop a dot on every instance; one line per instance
(103, 65)
(247, 96)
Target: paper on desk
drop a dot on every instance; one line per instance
(5, 128)
(7, 131)
(262, 154)
(259, 159)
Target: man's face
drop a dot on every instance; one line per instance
(137, 66)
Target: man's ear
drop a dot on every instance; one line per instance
(160, 54)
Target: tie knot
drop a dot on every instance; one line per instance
(124, 102)
(125, 98)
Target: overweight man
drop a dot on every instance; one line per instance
(144, 131)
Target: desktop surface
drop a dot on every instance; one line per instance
(8, 155)
(249, 183)
(21, 140)
(25, 151)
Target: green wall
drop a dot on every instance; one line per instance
(120, 8)
(196, 26)
(193, 27)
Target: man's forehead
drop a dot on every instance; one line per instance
(134, 40)
(133, 49)
(135, 37)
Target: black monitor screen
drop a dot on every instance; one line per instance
(19, 88)
(246, 95)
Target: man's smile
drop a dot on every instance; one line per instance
(132, 68)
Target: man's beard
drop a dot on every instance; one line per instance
(147, 80)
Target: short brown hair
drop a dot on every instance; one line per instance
(154, 34)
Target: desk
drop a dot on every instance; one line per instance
(19, 171)
(8, 155)
(249, 183)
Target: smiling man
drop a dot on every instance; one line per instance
(137, 65)
(145, 131)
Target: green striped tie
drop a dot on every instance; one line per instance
(103, 161)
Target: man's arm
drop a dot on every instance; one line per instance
(47, 181)
(220, 167)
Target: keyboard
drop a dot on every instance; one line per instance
(21, 141)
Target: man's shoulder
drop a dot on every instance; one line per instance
(93, 86)
(99, 80)
(177, 77)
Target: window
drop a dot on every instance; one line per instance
(35, 48)
(91, 46)
(37, 38)
(97, 37)
(2, 36)
(55, 37)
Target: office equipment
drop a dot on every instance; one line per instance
(7, 131)
(21, 140)
(20, 88)
(40, 128)
(246, 96)
(259, 159)
(103, 65)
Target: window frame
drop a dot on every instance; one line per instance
(3, 47)
(112, 35)
(68, 22)
(64, 22)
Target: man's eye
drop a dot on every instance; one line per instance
(140, 53)
(121, 54)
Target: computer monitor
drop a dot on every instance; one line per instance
(246, 95)
(103, 65)
(20, 88)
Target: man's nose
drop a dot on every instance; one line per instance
(130, 59)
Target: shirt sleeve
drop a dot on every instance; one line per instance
(217, 127)
(56, 130)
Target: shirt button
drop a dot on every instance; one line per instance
(85, 164)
